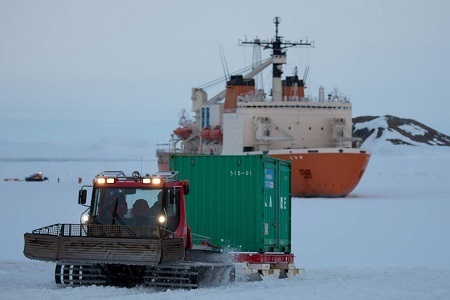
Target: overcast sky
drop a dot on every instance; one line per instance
(85, 71)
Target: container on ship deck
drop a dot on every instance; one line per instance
(242, 202)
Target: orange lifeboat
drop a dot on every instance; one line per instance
(182, 132)
(216, 133)
(206, 134)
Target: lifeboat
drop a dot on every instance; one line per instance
(216, 133)
(182, 132)
(206, 134)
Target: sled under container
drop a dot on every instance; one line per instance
(242, 202)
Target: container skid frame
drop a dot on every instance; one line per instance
(264, 264)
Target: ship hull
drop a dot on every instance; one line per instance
(324, 172)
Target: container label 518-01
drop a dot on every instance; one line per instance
(240, 173)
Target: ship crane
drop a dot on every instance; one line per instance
(268, 133)
(221, 95)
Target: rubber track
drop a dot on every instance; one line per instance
(172, 277)
(183, 275)
(87, 274)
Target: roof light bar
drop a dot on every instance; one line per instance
(107, 180)
(113, 177)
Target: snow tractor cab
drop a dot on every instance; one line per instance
(153, 201)
(134, 232)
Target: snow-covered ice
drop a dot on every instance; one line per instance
(389, 239)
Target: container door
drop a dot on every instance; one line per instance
(270, 204)
(283, 214)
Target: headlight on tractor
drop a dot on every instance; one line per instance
(84, 218)
(162, 220)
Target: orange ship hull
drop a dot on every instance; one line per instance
(325, 172)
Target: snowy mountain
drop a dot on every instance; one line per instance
(381, 132)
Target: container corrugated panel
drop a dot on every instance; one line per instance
(242, 202)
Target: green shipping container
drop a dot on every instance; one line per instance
(242, 202)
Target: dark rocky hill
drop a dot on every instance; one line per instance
(397, 131)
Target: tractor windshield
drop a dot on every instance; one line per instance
(127, 206)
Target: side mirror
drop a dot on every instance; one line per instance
(82, 195)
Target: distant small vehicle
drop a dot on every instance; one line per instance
(36, 177)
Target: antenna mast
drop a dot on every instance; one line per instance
(278, 56)
(257, 62)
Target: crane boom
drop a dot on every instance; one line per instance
(221, 95)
